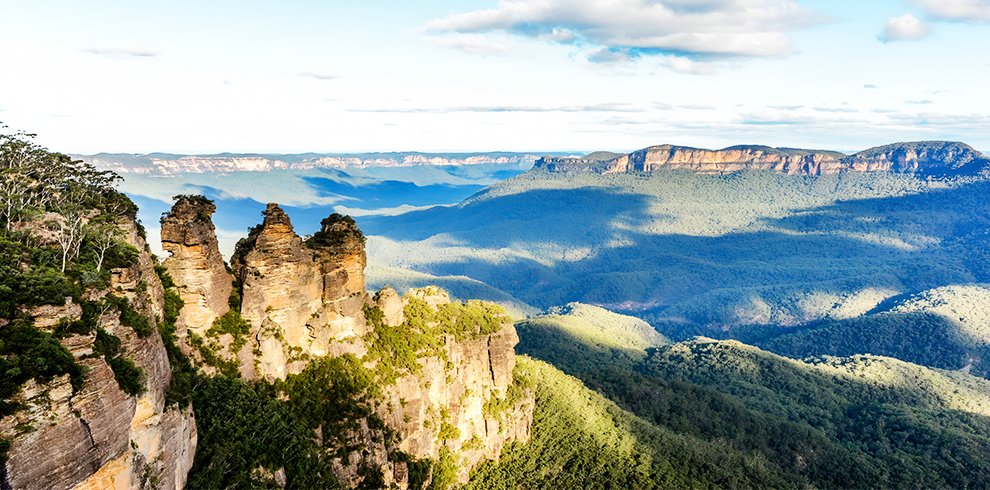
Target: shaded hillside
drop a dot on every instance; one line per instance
(947, 328)
(710, 250)
(831, 422)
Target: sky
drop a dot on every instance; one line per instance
(492, 75)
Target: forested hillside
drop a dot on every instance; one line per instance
(859, 421)
(693, 253)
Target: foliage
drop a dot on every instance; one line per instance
(396, 350)
(242, 427)
(26, 353)
(130, 317)
(205, 206)
(702, 250)
(921, 338)
(231, 324)
(812, 422)
(211, 353)
(444, 470)
(29, 276)
(129, 377)
(579, 439)
(883, 429)
(184, 375)
(334, 394)
(336, 230)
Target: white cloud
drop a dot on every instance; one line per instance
(956, 10)
(688, 30)
(318, 76)
(904, 28)
(472, 44)
(122, 52)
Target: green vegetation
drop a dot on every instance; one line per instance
(920, 338)
(498, 406)
(396, 350)
(825, 424)
(212, 354)
(231, 324)
(26, 353)
(695, 253)
(244, 426)
(130, 317)
(887, 431)
(580, 439)
(184, 375)
(129, 377)
(335, 231)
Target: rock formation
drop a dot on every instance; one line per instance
(195, 264)
(100, 437)
(930, 158)
(301, 300)
(305, 299)
(449, 403)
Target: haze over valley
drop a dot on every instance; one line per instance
(495, 244)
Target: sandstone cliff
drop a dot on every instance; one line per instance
(302, 300)
(930, 158)
(96, 435)
(195, 263)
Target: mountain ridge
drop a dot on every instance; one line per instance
(920, 157)
(171, 163)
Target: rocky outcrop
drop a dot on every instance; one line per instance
(302, 300)
(195, 263)
(462, 402)
(929, 158)
(98, 436)
(305, 299)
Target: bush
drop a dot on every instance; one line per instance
(26, 353)
(129, 377)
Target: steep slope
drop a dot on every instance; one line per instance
(86, 386)
(398, 390)
(583, 440)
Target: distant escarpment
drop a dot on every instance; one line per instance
(417, 388)
(927, 157)
(166, 163)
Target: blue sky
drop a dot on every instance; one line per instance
(526, 75)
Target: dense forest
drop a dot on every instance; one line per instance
(835, 422)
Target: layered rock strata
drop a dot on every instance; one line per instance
(100, 437)
(927, 157)
(304, 299)
(195, 264)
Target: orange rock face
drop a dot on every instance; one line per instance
(929, 157)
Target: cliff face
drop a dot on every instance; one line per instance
(99, 436)
(933, 158)
(302, 300)
(196, 265)
(461, 401)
